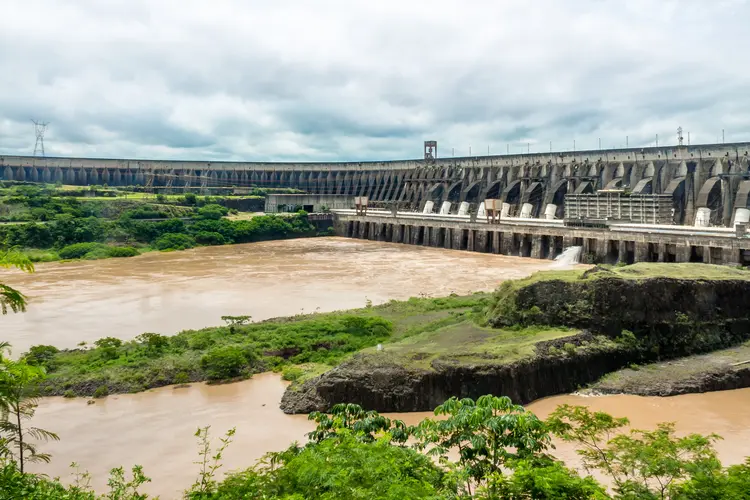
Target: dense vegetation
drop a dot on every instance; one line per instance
(53, 226)
(488, 449)
(300, 346)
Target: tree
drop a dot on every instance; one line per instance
(11, 298)
(488, 434)
(353, 420)
(18, 402)
(642, 464)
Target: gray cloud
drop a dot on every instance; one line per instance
(351, 80)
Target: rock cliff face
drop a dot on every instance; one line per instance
(668, 317)
(396, 388)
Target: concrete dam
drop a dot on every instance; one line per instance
(699, 191)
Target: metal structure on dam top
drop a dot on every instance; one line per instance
(713, 177)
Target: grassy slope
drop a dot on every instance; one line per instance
(464, 342)
(643, 270)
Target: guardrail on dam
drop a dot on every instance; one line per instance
(701, 176)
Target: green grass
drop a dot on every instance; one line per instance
(642, 270)
(463, 342)
(39, 255)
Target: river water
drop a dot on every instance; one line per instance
(169, 292)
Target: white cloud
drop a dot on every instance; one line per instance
(352, 80)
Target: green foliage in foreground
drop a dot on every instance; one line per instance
(488, 449)
(10, 298)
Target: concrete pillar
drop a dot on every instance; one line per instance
(396, 236)
(682, 253)
(641, 252)
(601, 250)
(426, 236)
(406, 238)
(470, 243)
(622, 251)
(536, 247)
(730, 256)
(707, 255)
(662, 252)
(507, 243)
(496, 242)
(434, 234)
(457, 237)
(448, 238)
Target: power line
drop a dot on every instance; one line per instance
(39, 129)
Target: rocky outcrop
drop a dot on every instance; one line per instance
(668, 317)
(388, 387)
(674, 317)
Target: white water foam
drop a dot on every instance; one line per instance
(570, 257)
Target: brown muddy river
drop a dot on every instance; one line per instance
(169, 292)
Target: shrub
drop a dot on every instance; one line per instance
(569, 348)
(181, 378)
(77, 250)
(108, 342)
(201, 341)
(101, 391)
(122, 252)
(174, 241)
(153, 341)
(627, 338)
(292, 373)
(69, 394)
(212, 211)
(210, 238)
(41, 355)
(179, 342)
(190, 199)
(224, 362)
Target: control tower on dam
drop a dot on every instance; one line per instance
(714, 177)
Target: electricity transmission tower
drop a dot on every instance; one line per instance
(39, 129)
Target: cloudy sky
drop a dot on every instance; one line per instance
(352, 80)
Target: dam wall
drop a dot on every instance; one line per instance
(713, 176)
(626, 243)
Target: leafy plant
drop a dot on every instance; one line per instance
(18, 402)
(11, 298)
(225, 362)
(209, 463)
